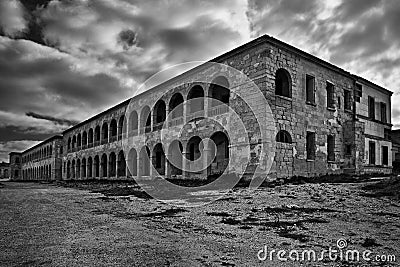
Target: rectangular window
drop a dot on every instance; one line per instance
(358, 92)
(383, 113)
(330, 90)
(347, 100)
(372, 153)
(371, 108)
(348, 150)
(385, 155)
(331, 148)
(310, 89)
(387, 134)
(310, 145)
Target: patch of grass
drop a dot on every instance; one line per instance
(124, 191)
(296, 236)
(370, 242)
(295, 208)
(385, 188)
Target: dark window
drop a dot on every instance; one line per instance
(17, 160)
(385, 155)
(383, 112)
(387, 134)
(310, 145)
(283, 137)
(371, 107)
(331, 148)
(348, 150)
(283, 83)
(310, 89)
(372, 153)
(347, 100)
(358, 92)
(330, 91)
(339, 103)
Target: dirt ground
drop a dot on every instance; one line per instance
(57, 225)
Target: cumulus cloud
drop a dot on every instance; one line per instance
(12, 20)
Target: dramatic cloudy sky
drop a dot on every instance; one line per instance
(62, 61)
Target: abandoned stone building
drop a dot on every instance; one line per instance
(324, 120)
(40, 162)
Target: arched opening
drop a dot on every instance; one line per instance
(104, 133)
(113, 130)
(78, 168)
(196, 99)
(175, 158)
(283, 83)
(121, 169)
(90, 167)
(69, 169)
(132, 162)
(97, 166)
(219, 91)
(145, 120)
(121, 124)
(159, 159)
(104, 166)
(97, 134)
(159, 115)
(144, 161)
(74, 142)
(112, 164)
(133, 123)
(176, 106)
(90, 137)
(51, 151)
(79, 140)
(221, 159)
(73, 168)
(283, 137)
(83, 168)
(84, 139)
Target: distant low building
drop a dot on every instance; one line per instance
(15, 166)
(395, 136)
(4, 170)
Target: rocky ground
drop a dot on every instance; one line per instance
(117, 224)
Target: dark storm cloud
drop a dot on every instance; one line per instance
(52, 119)
(73, 59)
(127, 38)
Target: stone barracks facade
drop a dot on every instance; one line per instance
(326, 121)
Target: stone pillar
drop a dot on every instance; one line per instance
(168, 167)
